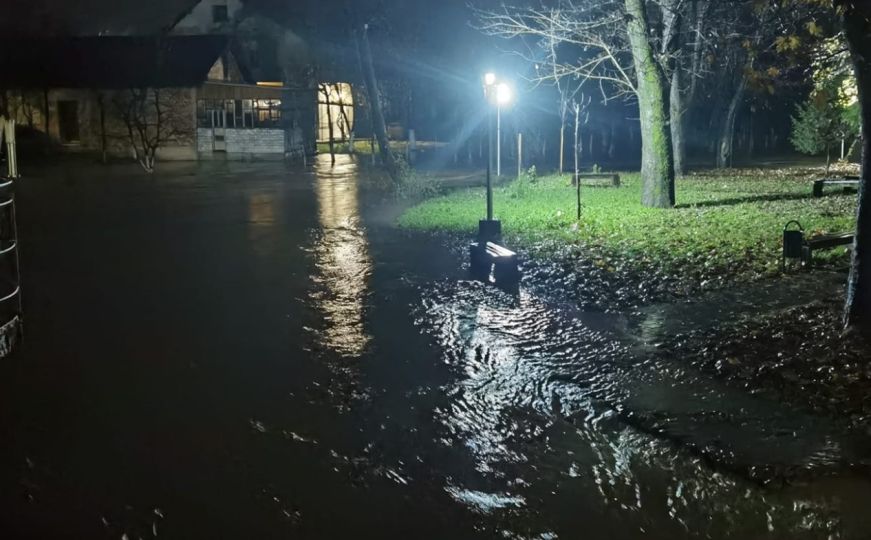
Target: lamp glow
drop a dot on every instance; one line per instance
(503, 94)
(490, 79)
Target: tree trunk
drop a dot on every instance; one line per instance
(325, 90)
(45, 117)
(751, 139)
(577, 157)
(727, 132)
(657, 159)
(828, 158)
(590, 148)
(676, 102)
(857, 312)
(577, 146)
(612, 146)
(101, 103)
(672, 23)
(562, 144)
(379, 127)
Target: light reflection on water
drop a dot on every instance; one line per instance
(537, 403)
(342, 261)
(263, 212)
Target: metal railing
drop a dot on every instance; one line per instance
(11, 305)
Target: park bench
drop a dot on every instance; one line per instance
(847, 181)
(503, 261)
(824, 241)
(796, 246)
(612, 178)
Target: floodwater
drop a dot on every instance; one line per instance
(249, 351)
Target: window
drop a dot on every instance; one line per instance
(230, 108)
(68, 121)
(220, 14)
(239, 114)
(268, 112)
(247, 113)
(212, 113)
(336, 111)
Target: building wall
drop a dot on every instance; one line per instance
(189, 142)
(180, 113)
(225, 69)
(253, 143)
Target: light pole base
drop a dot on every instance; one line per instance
(489, 230)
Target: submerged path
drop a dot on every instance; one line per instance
(248, 351)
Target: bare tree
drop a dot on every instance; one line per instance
(325, 90)
(151, 121)
(100, 98)
(345, 124)
(364, 50)
(614, 44)
(566, 87)
(579, 107)
(690, 41)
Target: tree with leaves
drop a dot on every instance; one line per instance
(822, 122)
(754, 51)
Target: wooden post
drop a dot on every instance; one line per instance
(519, 154)
(411, 147)
(8, 126)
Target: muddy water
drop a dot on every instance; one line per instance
(248, 351)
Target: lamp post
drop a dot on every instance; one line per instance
(497, 94)
(489, 84)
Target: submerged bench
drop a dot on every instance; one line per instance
(501, 260)
(612, 178)
(824, 241)
(847, 181)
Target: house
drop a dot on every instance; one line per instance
(109, 94)
(208, 17)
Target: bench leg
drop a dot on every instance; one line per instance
(506, 271)
(479, 263)
(806, 255)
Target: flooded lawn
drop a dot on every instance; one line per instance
(250, 351)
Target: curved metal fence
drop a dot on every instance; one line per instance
(10, 274)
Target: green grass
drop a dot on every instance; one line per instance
(725, 222)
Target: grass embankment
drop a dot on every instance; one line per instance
(365, 147)
(727, 224)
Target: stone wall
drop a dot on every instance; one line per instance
(244, 142)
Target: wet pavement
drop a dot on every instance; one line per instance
(249, 351)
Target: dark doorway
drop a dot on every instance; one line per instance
(68, 120)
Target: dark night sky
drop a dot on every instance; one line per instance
(441, 27)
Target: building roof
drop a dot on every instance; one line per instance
(109, 62)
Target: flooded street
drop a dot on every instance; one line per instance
(249, 351)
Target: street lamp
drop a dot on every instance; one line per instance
(498, 94)
(489, 85)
